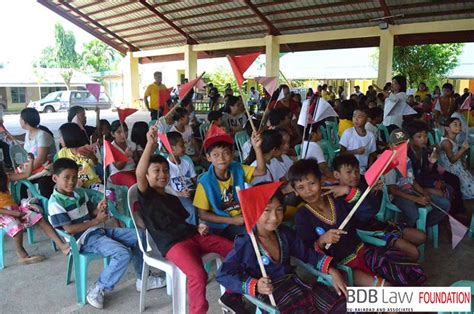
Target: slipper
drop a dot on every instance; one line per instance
(31, 259)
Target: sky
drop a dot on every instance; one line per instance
(26, 27)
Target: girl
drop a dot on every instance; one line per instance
(123, 173)
(451, 157)
(241, 274)
(316, 224)
(15, 219)
(234, 117)
(75, 147)
(139, 131)
(41, 145)
(314, 150)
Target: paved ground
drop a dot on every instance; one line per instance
(41, 288)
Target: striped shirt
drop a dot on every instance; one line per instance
(69, 210)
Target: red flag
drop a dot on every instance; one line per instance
(466, 105)
(375, 171)
(401, 159)
(164, 140)
(184, 89)
(254, 200)
(240, 64)
(124, 113)
(112, 154)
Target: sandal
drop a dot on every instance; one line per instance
(31, 259)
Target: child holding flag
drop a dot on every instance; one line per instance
(123, 173)
(165, 219)
(240, 273)
(317, 222)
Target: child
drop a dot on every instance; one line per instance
(75, 147)
(247, 147)
(215, 198)
(316, 224)
(311, 148)
(182, 176)
(281, 118)
(357, 141)
(345, 114)
(181, 125)
(404, 239)
(123, 173)
(451, 157)
(138, 136)
(105, 130)
(71, 211)
(234, 117)
(426, 170)
(408, 195)
(215, 117)
(164, 217)
(15, 219)
(240, 272)
(375, 117)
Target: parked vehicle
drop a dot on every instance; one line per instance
(63, 100)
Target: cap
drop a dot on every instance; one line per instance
(215, 135)
(398, 136)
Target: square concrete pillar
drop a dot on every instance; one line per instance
(190, 62)
(385, 58)
(131, 80)
(272, 54)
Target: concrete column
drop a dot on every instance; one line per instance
(190, 62)
(272, 54)
(131, 79)
(385, 58)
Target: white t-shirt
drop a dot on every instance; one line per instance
(314, 151)
(276, 170)
(232, 123)
(351, 140)
(393, 100)
(41, 140)
(130, 166)
(187, 137)
(177, 182)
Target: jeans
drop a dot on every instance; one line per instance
(153, 114)
(188, 205)
(410, 210)
(121, 245)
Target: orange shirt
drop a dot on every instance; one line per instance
(6, 200)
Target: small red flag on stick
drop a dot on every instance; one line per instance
(124, 113)
(240, 64)
(112, 154)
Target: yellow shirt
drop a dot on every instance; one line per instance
(152, 91)
(6, 200)
(229, 204)
(421, 94)
(87, 173)
(344, 125)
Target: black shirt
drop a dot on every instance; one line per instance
(165, 219)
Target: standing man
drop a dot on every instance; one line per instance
(153, 91)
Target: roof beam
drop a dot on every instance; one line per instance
(272, 30)
(83, 26)
(388, 15)
(120, 5)
(92, 3)
(189, 39)
(90, 20)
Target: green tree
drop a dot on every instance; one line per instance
(220, 77)
(98, 57)
(426, 63)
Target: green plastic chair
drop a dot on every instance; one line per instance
(2, 260)
(203, 128)
(262, 307)
(79, 260)
(432, 232)
(120, 191)
(332, 130)
(431, 140)
(438, 134)
(17, 155)
(383, 130)
(463, 283)
(471, 228)
(328, 151)
(240, 139)
(298, 150)
(151, 123)
(325, 279)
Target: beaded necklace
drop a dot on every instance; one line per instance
(329, 221)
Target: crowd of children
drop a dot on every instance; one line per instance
(188, 215)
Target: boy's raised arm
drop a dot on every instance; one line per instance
(142, 166)
(261, 168)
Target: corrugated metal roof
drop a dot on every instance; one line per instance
(136, 26)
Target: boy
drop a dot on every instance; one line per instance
(181, 125)
(182, 175)
(314, 150)
(375, 117)
(346, 171)
(215, 117)
(71, 211)
(164, 217)
(357, 141)
(408, 195)
(216, 198)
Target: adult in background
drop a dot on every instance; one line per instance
(213, 97)
(77, 114)
(397, 96)
(152, 91)
(41, 145)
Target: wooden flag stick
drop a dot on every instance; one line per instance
(310, 128)
(361, 199)
(286, 80)
(247, 110)
(259, 258)
(105, 167)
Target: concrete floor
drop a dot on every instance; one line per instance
(40, 288)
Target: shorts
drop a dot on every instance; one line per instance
(13, 225)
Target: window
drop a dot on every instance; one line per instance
(18, 94)
(47, 90)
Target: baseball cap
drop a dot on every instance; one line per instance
(398, 136)
(216, 135)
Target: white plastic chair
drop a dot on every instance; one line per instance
(175, 278)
